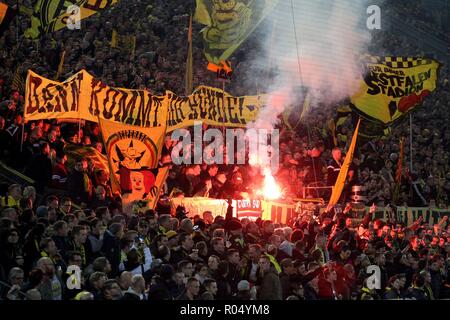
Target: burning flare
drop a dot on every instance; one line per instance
(271, 190)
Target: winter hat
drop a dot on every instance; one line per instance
(243, 285)
(42, 212)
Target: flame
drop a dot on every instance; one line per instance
(271, 190)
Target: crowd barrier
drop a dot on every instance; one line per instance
(281, 212)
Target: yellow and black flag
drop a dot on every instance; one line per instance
(228, 24)
(133, 154)
(393, 87)
(53, 15)
(6, 15)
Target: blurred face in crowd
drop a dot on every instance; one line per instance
(188, 243)
(178, 277)
(66, 206)
(269, 228)
(193, 288)
(337, 154)
(100, 192)
(51, 248)
(13, 237)
(264, 264)
(113, 293)
(76, 260)
(99, 228)
(219, 246)
(188, 270)
(81, 166)
(234, 258)
(213, 263)
(82, 236)
(16, 193)
(212, 288)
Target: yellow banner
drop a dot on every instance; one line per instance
(393, 87)
(84, 97)
(213, 107)
(47, 99)
(133, 155)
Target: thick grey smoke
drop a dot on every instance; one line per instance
(320, 53)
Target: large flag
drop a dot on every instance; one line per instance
(96, 159)
(53, 15)
(340, 181)
(393, 87)
(399, 172)
(189, 77)
(228, 24)
(133, 155)
(6, 15)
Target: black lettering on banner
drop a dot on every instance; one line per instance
(145, 109)
(61, 99)
(47, 96)
(158, 104)
(176, 115)
(194, 101)
(232, 115)
(108, 112)
(209, 104)
(120, 99)
(76, 90)
(125, 105)
(128, 116)
(33, 84)
(94, 105)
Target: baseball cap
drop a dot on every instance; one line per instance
(170, 234)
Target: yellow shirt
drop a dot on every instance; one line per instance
(10, 203)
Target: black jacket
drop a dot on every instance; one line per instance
(40, 169)
(77, 188)
(111, 250)
(160, 291)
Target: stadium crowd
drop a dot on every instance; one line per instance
(71, 217)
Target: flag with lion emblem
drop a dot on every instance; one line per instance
(133, 155)
(228, 23)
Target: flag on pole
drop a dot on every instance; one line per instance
(339, 186)
(189, 63)
(399, 172)
(61, 65)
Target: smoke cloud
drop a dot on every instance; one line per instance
(320, 53)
